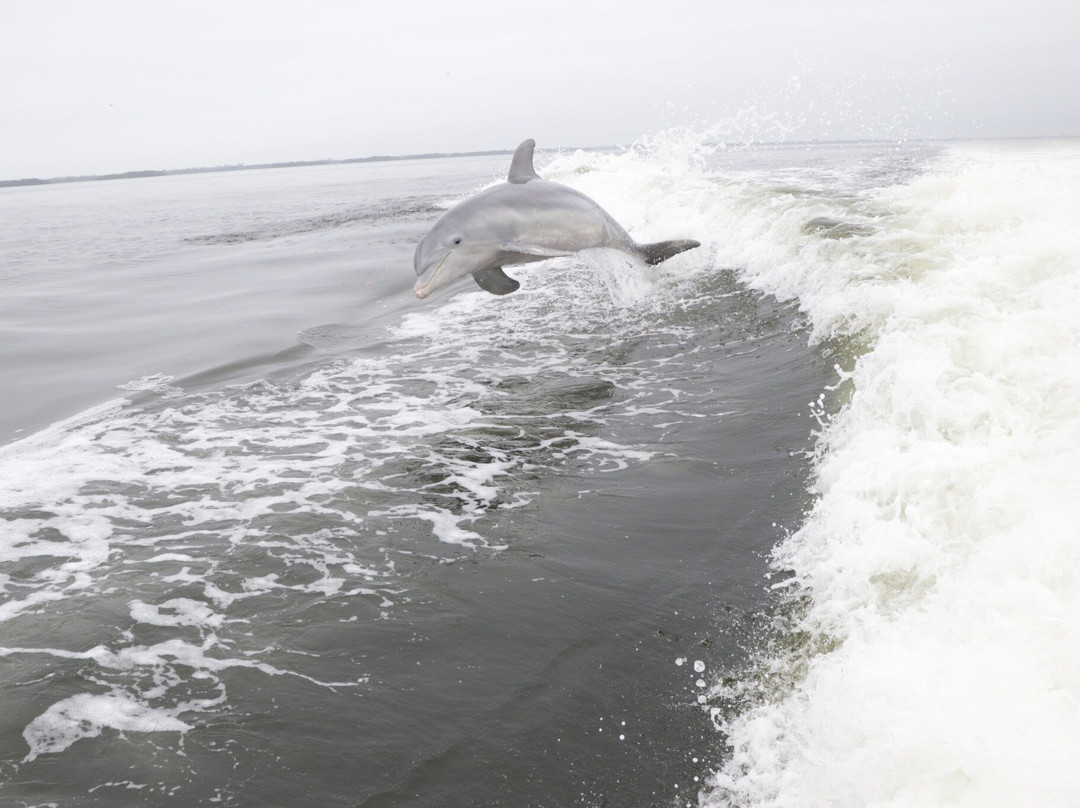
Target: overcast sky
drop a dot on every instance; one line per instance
(107, 86)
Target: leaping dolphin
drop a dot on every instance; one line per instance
(519, 221)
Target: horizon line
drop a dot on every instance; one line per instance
(143, 173)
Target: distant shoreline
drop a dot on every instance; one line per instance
(127, 175)
(380, 158)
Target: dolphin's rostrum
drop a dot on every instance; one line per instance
(519, 221)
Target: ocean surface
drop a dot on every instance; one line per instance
(789, 520)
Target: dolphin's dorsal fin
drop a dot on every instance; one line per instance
(521, 167)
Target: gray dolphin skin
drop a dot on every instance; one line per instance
(522, 220)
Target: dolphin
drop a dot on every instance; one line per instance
(522, 220)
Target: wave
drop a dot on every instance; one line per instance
(929, 602)
(936, 579)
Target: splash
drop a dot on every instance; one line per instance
(939, 565)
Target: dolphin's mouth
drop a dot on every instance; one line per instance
(424, 283)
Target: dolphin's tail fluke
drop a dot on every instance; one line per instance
(663, 250)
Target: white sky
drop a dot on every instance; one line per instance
(109, 85)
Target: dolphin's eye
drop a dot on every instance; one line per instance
(457, 240)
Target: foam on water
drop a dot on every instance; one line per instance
(85, 715)
(939, 570)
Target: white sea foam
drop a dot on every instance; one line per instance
(176, 612)
(942, 557)
(156, 383)
(86, 715)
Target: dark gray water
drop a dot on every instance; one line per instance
(344, 548)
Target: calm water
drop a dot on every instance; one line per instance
(276, 533)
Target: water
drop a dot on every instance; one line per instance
(939, 568)
(276, 533)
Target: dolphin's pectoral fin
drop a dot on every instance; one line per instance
(532, 249)
(494, 280)
(521, 167)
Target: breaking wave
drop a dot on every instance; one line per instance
(931, 655)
